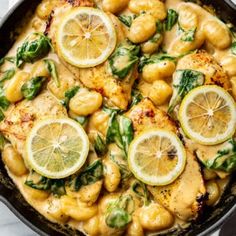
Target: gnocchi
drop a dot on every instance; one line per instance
(114, 6)
(213, 192)
(91, 226)
(229, 65)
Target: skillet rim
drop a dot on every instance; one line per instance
(225, 216)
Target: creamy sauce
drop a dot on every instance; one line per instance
(43, 206)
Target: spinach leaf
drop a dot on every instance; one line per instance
(171, 20)
(55, 186)
(51, 66)
(36, 46)
(2, 141)
(136, 97)
(4, 103)
(155, 58)
(225, 159)
(141, 191)
(10, 59)
(100, 146)
(126, 20)
(81, 119)
(120, 131)
(7, 75)
(31, 88)
(189, 35)
(123, 59)
(183, 82)
(233, 48)
(119, 214)
(2, 116)
(69, 94)
(90, 175)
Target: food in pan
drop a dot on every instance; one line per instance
(119, 117)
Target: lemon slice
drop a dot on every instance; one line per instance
(57, 148)
(208, 115)
(157, 157)
(86, 37)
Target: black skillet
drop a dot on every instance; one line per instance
(208, 222)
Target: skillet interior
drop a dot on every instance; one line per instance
(207, 222)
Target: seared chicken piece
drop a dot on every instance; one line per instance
(184, 196)
(205, 63)
(99, 78)
(20, 118)
(145, 115)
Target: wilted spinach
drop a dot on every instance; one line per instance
(81, 119)
(155, 58)
(187, 35)
(183, 82)
(141, 191)
(51, 66)
(90, 175)
(10, 59)
(69, 94)
(225, 159)
(55, 186)
(2, 141)
(100, 145)
(4, 103)
(120, 130)
(31, 88)
(136, 97)
(126, 20)
(171, 20)
(7, 75)
(2, 116)
(119, 213)
(233, 48)
(36, 46)
(123, 59)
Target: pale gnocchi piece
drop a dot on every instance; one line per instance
(40, 69)
(106, 200)
(217, 33)
(35, 194)
(112, 176)
(114, 6)
(151, 45)
(157, 71)
(160, 92)
(13, 90)
(229, 65)
(55, 211)
(45, 8)
(188, 19)
(135, 228)
(78, 212)
(85, 102)
(155, 217)
(91, 226)
(154, 7)
(99, 122)
(13, 160)
(142, 28)
(233, 84)
(209, 174)
(213, 192)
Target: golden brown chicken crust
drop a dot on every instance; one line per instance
(21, 117)
(81, 3)
(145, 115)
(205, 63)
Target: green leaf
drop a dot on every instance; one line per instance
(189, 35)
(225, 159)
(70, 94)
(136, 97)
(141, 191)
(123, 59)
(100, 146)
(35, 47)
(155, 58)
(4, 103)
(51, 66)
(81, 119)
(31, 88)
(2, 139)
(171, 20)
(7, 75)
(233, 48)
(183, 82)
(10, 59)
(126, 20)
(90, 175)
(55, 186)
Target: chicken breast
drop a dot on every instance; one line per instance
(21, 117)
(185, 195)
(145, 115)
(117, 92)
(205, 63)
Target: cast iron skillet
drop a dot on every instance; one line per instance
(209, 221)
